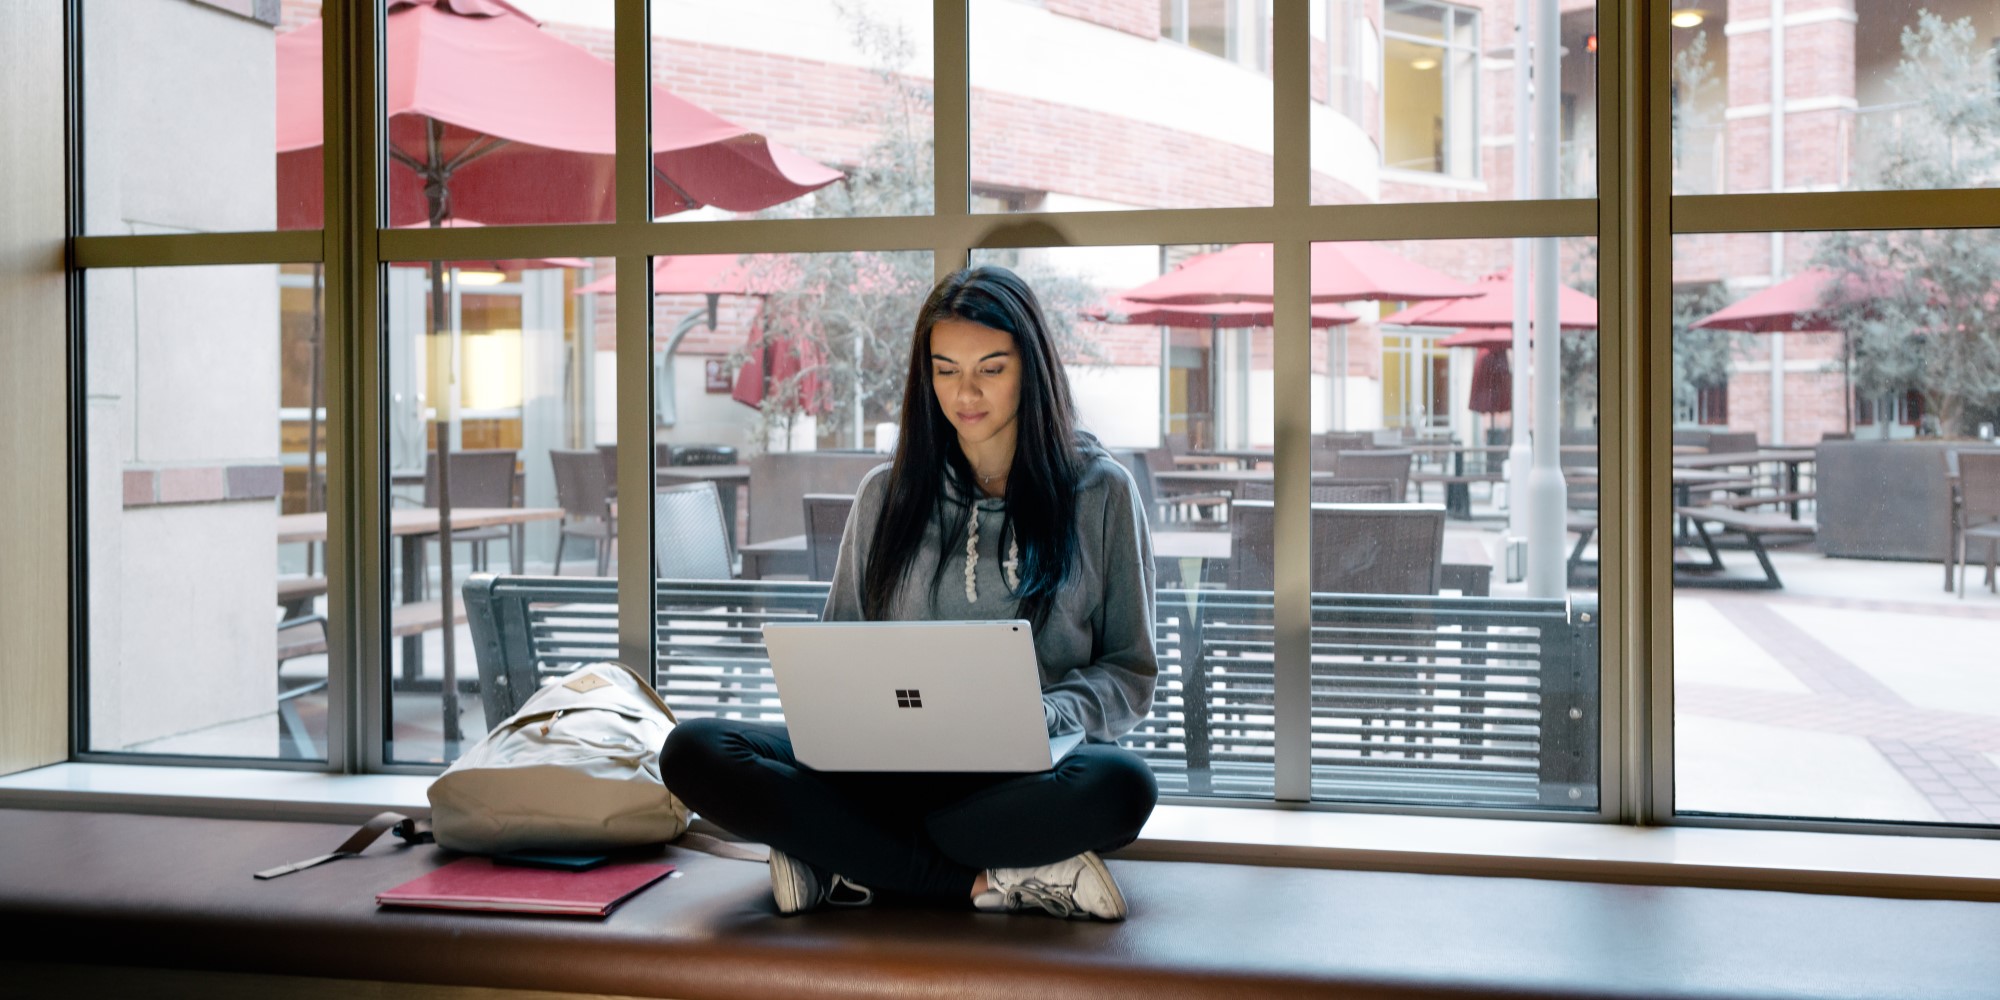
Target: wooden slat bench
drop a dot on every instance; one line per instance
(1456, 700)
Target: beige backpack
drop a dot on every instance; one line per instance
(576, 769)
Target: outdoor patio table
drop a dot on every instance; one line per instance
(412, 526)
(727, 479)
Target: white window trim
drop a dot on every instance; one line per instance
(1862, 864)
(1383, 35)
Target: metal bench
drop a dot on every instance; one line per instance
(1480, 701)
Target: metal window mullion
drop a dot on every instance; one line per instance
(634, 337)
(1291, 261)
(951, 115)
(1646, 552)
(357, 548)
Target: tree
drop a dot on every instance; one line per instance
(1702, 358)
(849, 316)
(1928, 320)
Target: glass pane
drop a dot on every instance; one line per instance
(1896, 95)
(1071, 112)
(1415, 17)
(840, 90)
(1835, 398)
(211, 133)
(1182, 396)
(204, 419)
(778, 383)
(1418, 104)
(1486, 695)
(507, 368)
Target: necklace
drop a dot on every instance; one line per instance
(987, 479)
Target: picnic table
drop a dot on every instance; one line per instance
(1785, 491)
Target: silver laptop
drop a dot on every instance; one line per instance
(914, 696)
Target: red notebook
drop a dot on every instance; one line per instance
(479, 884)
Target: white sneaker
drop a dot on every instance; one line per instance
(1079, 887)
(799, 887)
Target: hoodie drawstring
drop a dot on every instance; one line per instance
(1010, 570)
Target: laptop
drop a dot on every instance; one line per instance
(914, 696)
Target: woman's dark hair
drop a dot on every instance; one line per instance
(1041, 484)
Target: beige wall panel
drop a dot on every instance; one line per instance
(34, 651)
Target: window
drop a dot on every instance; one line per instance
(272, 436)
(1430, 84)
(1232, 29)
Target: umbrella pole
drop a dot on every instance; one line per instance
(435, 179)
(1847, 382)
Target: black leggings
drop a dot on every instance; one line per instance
(915, 834)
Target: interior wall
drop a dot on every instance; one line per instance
(34, 561)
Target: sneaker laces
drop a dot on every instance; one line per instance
(1054, 898)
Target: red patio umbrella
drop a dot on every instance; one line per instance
(1215, 315)
(1493, 308)
(1798, 304)
(491, 119)
(1341, 272)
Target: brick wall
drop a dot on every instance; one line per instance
(1135, 17)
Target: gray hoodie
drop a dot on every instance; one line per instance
(1095, 651)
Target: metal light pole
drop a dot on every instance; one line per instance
(1547, 495)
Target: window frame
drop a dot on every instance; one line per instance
(1633, 218)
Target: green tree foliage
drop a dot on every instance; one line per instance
(849, 316)
(1921, 305)
(1702, 358)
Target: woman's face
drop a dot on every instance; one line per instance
(976, 373)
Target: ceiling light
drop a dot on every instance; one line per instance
(1424, 63)
(480, 277)
(1688, 18)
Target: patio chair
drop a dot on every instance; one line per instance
(479, 478)
(1978, 509)
(826, 521)
(1732, 442)
(1335, 490)
(690, 541)
(583, 491)
(1339, 441)
(1356, 548)
(1393, 466)
(1142, 476)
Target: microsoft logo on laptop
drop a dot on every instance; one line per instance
(909, 698)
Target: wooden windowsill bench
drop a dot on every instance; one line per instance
(118, 904)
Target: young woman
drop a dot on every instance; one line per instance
(995, 507)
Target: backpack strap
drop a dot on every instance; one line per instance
(410, 830)
(718, 847)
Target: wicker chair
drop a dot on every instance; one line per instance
(483, 478)
(690, 541)
(1339, 441)
(1336, 490)
(826, 520)
(1732, 442)
(583, 491)
(1978, 509)
(1356, 548)
(1393, 466)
